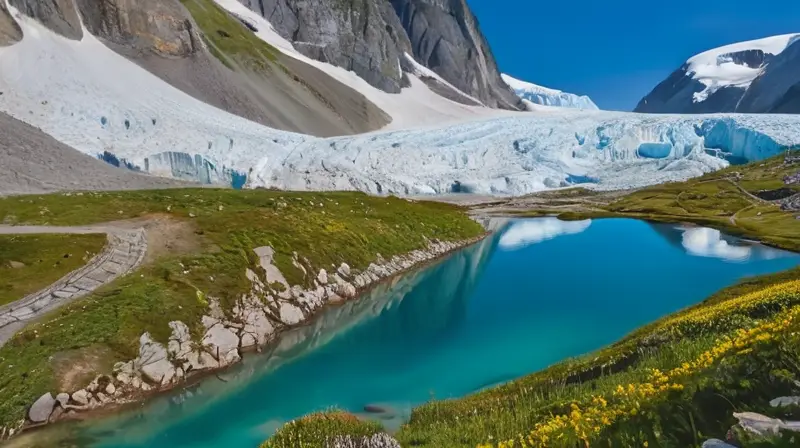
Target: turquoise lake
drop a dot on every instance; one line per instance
(537, 292)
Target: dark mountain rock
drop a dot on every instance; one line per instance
(446, 38)
(358, 35)
(777, 88)
(58, 15)
(370, 37)
(10, 32)
(748, 58)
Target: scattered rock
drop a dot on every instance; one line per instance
(763, 425)
(784, 401)
(290, 314)
(383, 410)
(153, 362)
(56, 414)
(81, 397)
(62, 399)
(42, 408)
(322, 277)
(266, 255)
(716, 443)
(257, 328)
(111, 389)
(223, 344)
(344, 270)
(16, 264)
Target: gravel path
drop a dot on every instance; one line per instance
(125, 251)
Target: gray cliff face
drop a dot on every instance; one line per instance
(358, 35)
(10, 32)
(370, 37)
(775, 90)
(58, 15)
(163, 37)
(161, 26)
(445, 37)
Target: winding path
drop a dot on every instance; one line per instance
(125, 251)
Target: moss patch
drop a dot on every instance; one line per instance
(29, 263)
(227, 38)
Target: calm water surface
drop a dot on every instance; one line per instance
(539, 291)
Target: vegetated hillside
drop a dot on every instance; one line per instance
(759, 76)
(206, 249)
(675, 382)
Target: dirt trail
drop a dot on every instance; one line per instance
(126, 250)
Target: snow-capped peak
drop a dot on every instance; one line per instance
(730, 66)
(546, 96)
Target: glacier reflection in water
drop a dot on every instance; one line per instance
(525, 232)
(485, 315)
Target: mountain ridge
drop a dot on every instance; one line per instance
(731, 79)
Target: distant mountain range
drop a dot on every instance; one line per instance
(757, 76)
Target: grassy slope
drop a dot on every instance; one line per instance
(718, 199)
(324, 228)
(228, 38)
(316, 430)
(46, 258)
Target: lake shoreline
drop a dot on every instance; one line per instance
(136, 397)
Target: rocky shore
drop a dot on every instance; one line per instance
(256, 320)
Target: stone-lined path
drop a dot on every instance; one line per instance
(125, 250)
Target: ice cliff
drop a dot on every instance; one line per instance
(548, 97)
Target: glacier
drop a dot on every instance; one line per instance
(545, 96)
(88, 97)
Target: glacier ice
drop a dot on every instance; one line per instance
(532, 152)
(546, 96)
(98, 102)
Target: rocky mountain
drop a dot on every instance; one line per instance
(370, 38)
(203, 49)
(759, 76)
(546, 96)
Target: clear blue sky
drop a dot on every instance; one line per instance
(616, 51)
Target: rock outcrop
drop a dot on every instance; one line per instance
(10, 32)
(60, 16)
(445, 37)
(371, 37)
(163, 27)
(41, 409)
(360, 35)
